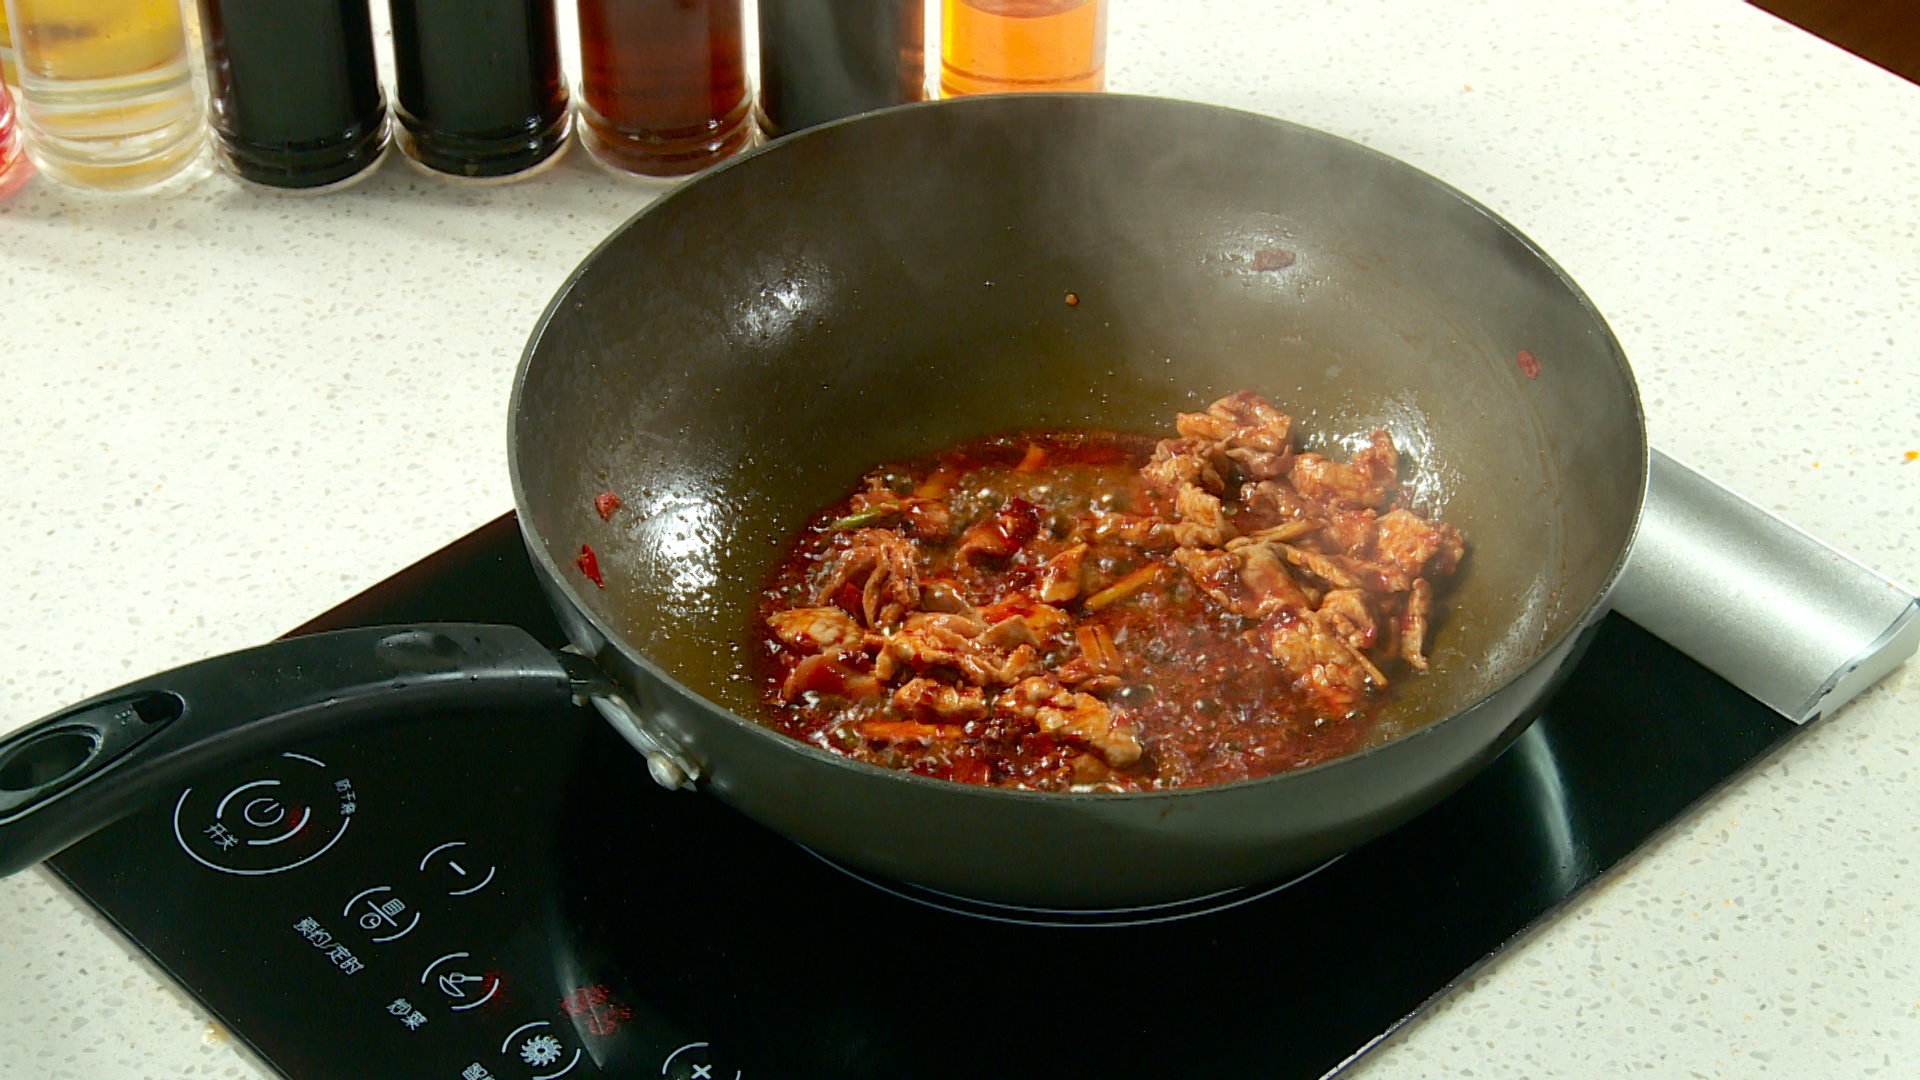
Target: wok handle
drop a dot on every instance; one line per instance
(87, 766)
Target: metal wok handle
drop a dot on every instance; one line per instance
(85, 767)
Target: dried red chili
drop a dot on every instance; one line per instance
(589, 565)
(1529, 365)
(605, 504)
(1273, 259)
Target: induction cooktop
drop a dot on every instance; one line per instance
(509, 896)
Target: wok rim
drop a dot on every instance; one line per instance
(1594, 610)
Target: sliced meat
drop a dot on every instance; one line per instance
(815, 629)
(1213, 572)
(829, 675)
(1345, 612)
(1000, 535)
(1246, 430)
(1009, 633)
(1133, 530)
(1202, 522)
(1060, 577)
(1079, 717)
(933, 646)
(1415, 546)
(928, 699)
(1350, 532)
(1274, 501)
(1177, 463)
(1277, 534)
(884, 565)
(1378, 460)
(1269, 587)
(1327, 669)
(969, 624)
(1413, 624)
(1344, 573)
(1366, 481)
(1045, 619)
(944, 596)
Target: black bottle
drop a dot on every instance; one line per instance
(824, 59)
(480, 90)
(296, 98)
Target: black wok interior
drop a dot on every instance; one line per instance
(742, 351)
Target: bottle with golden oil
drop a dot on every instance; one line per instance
(1015, 46)
(106, 96)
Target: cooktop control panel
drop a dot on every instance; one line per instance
(400, 924)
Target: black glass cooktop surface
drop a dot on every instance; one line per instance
(510, 896)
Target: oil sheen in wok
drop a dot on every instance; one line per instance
(1096, 611)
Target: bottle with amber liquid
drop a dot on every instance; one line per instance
(1022, 46)
(663, 84)
(106, 95)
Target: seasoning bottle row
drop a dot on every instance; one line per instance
(107, 101)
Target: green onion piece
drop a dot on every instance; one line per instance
(861, 519)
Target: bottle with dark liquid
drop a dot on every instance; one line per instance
(663, 84)
(1014, 46)
(296, 98)
(480, 90)
(824, 59)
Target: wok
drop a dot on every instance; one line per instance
(738, 353)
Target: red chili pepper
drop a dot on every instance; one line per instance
(1018, 521)
(848, 599)
(605, 504)
(1273, 259)
(970, 770)
(1529, 365)
(589, 565)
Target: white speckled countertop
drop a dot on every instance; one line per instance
(226, 411)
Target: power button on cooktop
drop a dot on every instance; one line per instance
(285, 813)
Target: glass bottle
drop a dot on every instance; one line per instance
(480, 90)
(824, 59)
(9, 75)
(1013, 46)
(106, 97)
(14, 166)
(663, 84)
(296, 99)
